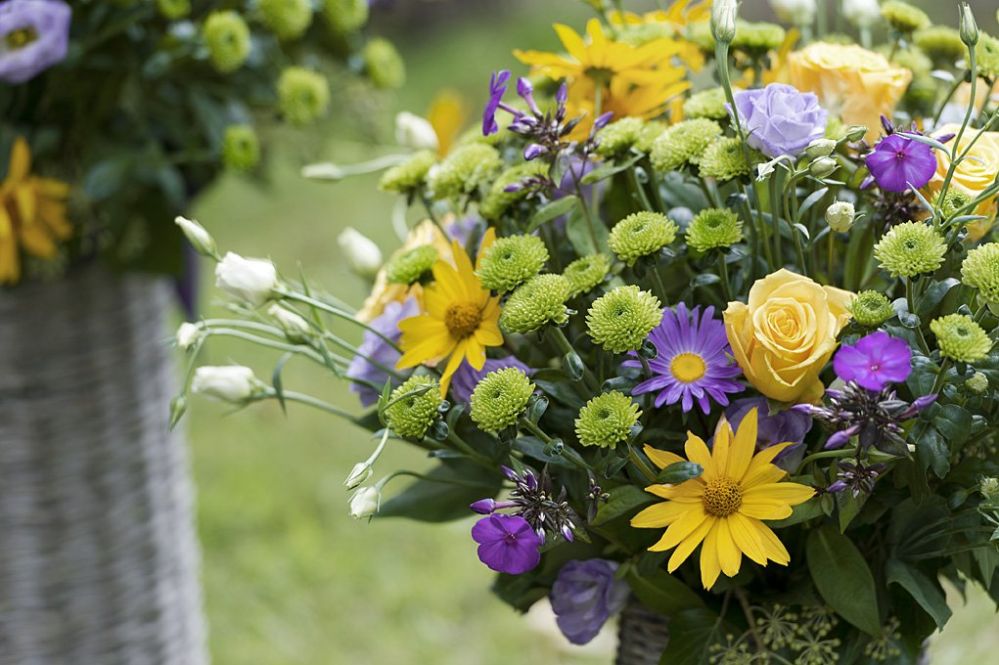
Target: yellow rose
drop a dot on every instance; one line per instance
(786, 334)
(856, 84)
(973, 174)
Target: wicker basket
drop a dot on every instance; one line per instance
(642, 635)
(98, 555)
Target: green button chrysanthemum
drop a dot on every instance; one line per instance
(497, 201)
(725, 159)
(303, 95)
(465, 170)
(684, 142)
(585, 273)
(871, 309)
(987, 55)
(621, 319)
(173, 9)
(641, 234)
(708, 104)
(607, 419)
(977, 383)
(942, 43)
(511, 261)
(411, 266)
(499, 399)
(759, 38)
(227, 38)
(383, 64)
(960, 338)
(408, 176)
(713, 228)
(953, 201)
(537, 303)
(910, 249)
(903, 17)
(617, 138)
(287, 19)
(240, 148)
(414, 406)
(651, 130)
(345, 16)
(980, 270)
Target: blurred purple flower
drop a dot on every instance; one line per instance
(34, 35)
(773, 428)
(497, 88)
(507, 543)
(897, 162)
(462, 229)
(584, 596)
(465, 379)
(874, 361)
(780, 119)
(375, 351)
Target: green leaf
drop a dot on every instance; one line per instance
(445, 494)
(662, 592)
(535, 448)
(607, 170)
(552, 210)
(923, 590)
(622, 500)
(106, 178)
(934, 295)
(692, 633)
(849, 507)
(953, 422)
(277, 382)
(932, 451)
(843, 578)
(581, 235)
(678, 472)
(810, 201)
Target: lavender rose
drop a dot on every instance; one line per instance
(779, 119)
(34, 35)
(584, 596)
(374, 354)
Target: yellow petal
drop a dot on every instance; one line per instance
(661, 458)
(789, 493)
(697, 452)
(488, 240)
(721, 445)
(659, 515)
(775, 549)
(689, 544)
(729, 555)
(692, 518)
(475, 353)
(762, 462)
(746, 538)
(765, 510)
(710, 567)
(572, 42)
(37, 242)
(488, 334)
(688, 491)
(743, 447)
(20, 160)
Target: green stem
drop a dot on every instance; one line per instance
(973, 70)
(309, 400)
(828, 454)
(565, 348)
(643, 466)
(723, 273)
(657, 280)
(269, 343)
(329, 309)
(910, 300)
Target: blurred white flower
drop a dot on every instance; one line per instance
(229, 383)
(294, 326)
(196, 234)
(412, 131)
(839, 216)
(365, 502)
(362, 253)
(797, 12)
(252, 280)
(862, 13)
(188, 335)
(360, 473)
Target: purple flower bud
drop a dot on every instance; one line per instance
(531, 481)
(839, 439)
(497, 88)
(917, 406)
(602, 121)
(567, 533)
(509, 473)
(836, 487)
(526, 91)
(887, 125)
(484, 506)
(562, 96)
(534, 151)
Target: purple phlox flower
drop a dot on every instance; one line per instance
(780, 119)
(585, 594)
(497, 88)
(533, 151)
(856, 476)
(787, 426)
(466, 377)
(375, 355)
(693, 361)
(534, 498)
(874, 361)
(507, 543)
(34, 35)
(899, 162)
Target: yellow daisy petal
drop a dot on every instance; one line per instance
(690, 543)
(743, 446)
(661, 458)
(689, 491)
(729, 555)
(789, 493)
(659, 515)
(721, 445)
(710, 566)
(765, 510)
(697, 452)
(689, 522)
(775, 549)
(746, 538)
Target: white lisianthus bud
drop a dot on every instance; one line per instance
(797, 12)
(365, 502)
(252, 280)
(862, 13)
(820, 148)
(823, 167)
(360, 473)
(723, 15)
(200, 239)
(969, 27)
(294, 326)
(415, 132)
(362, 253)
(839, 216)
(188, 335)
(228, 383)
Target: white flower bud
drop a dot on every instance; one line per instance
(820, 148)
(200, 239)
(363, 255)
(360, 473)
(796, 12)
(723, 15)
(839, 216)
(228, 383)
(823, 167)
(252, 280)
(294, 326)
(188, 334)
(365, 502)
(977, 383)
(969, 28)
(415, 132)
(862, 13)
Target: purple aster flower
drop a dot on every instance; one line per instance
(898, 162)
(874, 361)
(497, 88)
(34, 35)
(507, 543)
(693, 360)
(780, 119)
(375, 355)
(584, 596)
(466, 377)
(773, 428)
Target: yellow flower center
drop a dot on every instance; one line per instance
(722, 497)
(687, 367)
(462, 319)
(18, 39)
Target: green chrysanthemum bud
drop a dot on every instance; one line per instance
(651, 130)
(499, 399)
(977, 383)
(725, 159)
(839, 216)
(980, 270)
(713, 228)
(408, 176)
(414, 406)
(758, 39)
(495, 204)
(621, 319)
(411, 266)
(708, 104)
(942, 43)
(511, 261)
(287, 19)
(641, 234)
(537, 303)
(584, 274)
(684, 142)
(227, 38)
(303, 95)
(903, 17)
(607, 419)
(960, 338)
(465, 170)
(954, 200)
(987, 56)
(383, 64)
(240, 148)
(910, 249)
(345, 16)
(617, 138)
(173, 10)
(871, 309)
(921, 95)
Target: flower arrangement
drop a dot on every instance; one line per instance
(115, 114)
(726, 350)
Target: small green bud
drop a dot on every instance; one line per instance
(854, 133)
(989, 487)
(871, 309)
(723, 16)
(823, 167)
(820, 148)
(383, 64)
(968, 26)
(227, 38)
(977, 383)
(303, 95)
(173, 10)
(240, 148)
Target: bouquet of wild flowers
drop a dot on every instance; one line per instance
(725, 348)
(114, 114)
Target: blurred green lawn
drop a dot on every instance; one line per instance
(290, 579)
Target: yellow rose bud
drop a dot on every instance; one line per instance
(856, 84)
(973, 174)
(785, 335)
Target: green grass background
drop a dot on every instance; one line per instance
(289, 577)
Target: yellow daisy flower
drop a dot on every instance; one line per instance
(32, 214)
(460, 320)
(447, 115)
(678, 16)
(723, 510)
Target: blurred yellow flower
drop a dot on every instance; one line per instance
(676, 19)
(32, 214)
(974, 174)
(856, 84)
(447, 115)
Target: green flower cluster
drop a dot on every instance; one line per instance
(714, 228)
(537, 303)
(586, 273)
(173, 9)
(413, 407)
(303, 95)
(511, 261)
(941, 43)
(683, 143)
(497, 201)
(708, 104)
(987, 56)
(287, 19)
(410, 175)
(871, 309)
(980, 270)
(641, 234)
(499, 399)
(411, 266)
(960, 338)
(240, 148)
(468, 168)
(903, 17)
(617, 138)
(227, 38)
(607, 420)
(383, 64)
(726, 158)
(910, 249)
(345, 16)
(620, 320)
